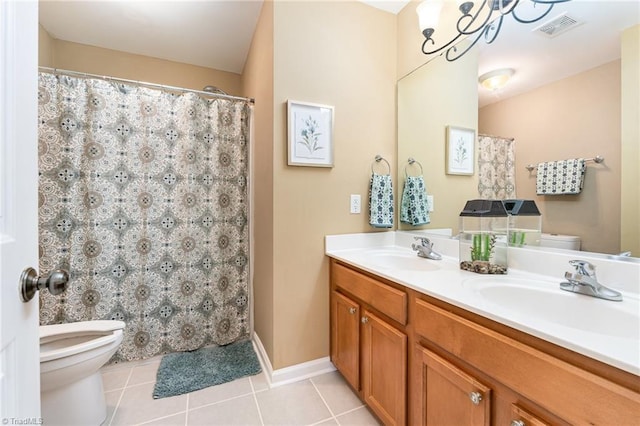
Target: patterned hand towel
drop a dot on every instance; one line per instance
(414, 208)
(380, 201)
(560, 177)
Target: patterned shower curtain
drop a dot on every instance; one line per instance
(496, 167)
(143, 199)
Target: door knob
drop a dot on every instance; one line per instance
(30, 283)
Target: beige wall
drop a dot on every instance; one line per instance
(340, 54)
(257, 81)
(437, 95)
(95, 60)
(575, 117)
(630, 193)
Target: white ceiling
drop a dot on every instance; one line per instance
(214, 34)
(393, 6)
(217, 34)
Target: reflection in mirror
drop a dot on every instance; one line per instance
(572, 109)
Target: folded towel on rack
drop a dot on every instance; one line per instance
(414, 207)
(560, 177)
(380, 201)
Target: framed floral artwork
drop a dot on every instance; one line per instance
(310, 139)
(460, 151)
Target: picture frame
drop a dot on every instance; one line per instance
(310, 134)
(460, 152)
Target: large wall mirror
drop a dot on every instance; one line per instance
(570, 96)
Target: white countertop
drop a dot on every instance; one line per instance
(567, 319)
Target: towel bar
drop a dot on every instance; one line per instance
(596, 159)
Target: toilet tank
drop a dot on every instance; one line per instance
(567, 242)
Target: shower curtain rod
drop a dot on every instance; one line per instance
(496, 137)
(143, 83)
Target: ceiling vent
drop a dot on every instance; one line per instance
(556, 26)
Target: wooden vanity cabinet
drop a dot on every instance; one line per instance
(370, 351)
(551, 385)
(417, 360)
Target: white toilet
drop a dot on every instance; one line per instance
(567, 242)
(70, 381)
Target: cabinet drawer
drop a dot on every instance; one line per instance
(563, 389)
(386, 299)
(521, 417)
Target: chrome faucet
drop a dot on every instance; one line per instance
(583, 280)
(425, 248)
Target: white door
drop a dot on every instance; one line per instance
(19, 353)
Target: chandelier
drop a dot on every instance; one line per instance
(483, 21)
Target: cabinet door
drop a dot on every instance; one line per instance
(449, 396)
(345, 337)
(384, 369)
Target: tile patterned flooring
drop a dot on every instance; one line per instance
(322, 400)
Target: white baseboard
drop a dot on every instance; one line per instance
(294, 373)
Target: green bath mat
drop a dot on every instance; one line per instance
(185, 372)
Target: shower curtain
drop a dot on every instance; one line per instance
(496, 167)
(143, 199)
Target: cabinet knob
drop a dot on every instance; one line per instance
(352, 310)
(517, 423)
(364, 320)
(475, 397)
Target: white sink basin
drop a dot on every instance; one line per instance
(394, 259)
(544, 301)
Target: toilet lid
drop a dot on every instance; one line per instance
(560, 237)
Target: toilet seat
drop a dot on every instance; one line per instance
(64, 340)
(71, 355)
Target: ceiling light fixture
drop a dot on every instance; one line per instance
(485, 20)
(496, 79)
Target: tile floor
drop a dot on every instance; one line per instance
(321, 400)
